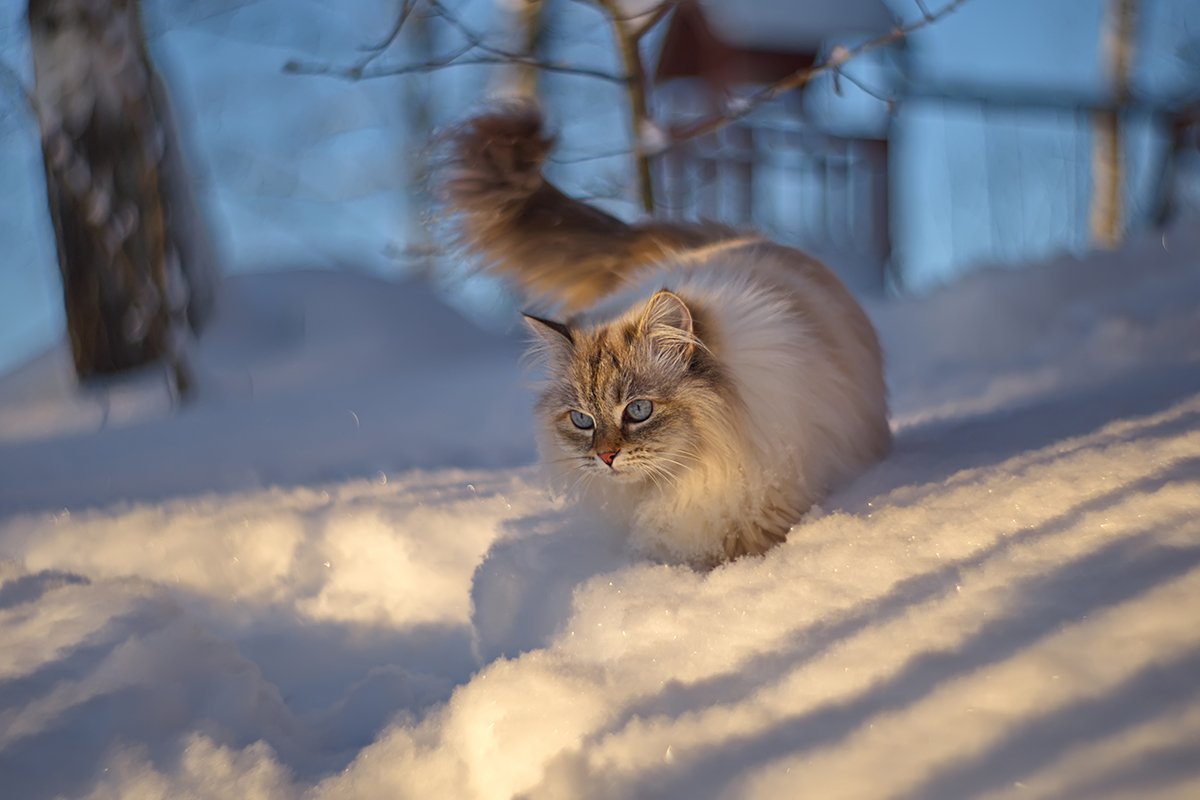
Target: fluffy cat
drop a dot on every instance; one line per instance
(706, 388)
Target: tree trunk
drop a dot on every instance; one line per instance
(137, 268)
(533, 24)
(1108, 174)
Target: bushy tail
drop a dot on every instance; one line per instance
(559, 250)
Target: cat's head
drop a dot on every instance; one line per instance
(632, 400)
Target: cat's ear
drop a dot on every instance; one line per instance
(556, 339)
(668, 323)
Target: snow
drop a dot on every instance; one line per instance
(337, 575)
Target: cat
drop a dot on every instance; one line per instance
(704, 388)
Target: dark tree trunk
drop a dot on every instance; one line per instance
(136, 267)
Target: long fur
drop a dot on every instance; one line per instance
(765, 374)
(557, 249)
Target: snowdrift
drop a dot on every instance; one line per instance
(337, 575)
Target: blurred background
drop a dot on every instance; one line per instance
(998, 132)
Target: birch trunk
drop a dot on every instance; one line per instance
(1108, 173)
(137, 269)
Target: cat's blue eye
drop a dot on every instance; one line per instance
(582, 420)
(639, 410)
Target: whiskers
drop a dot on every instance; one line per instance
(658, 474)
(664, 471)
(580, 465)
(581, 482)
(578, 474)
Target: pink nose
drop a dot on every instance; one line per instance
(607, 458)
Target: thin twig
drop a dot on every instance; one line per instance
(375, 51)
(525, 59)
(634, 78)
(405, 9)
(455, 59)
(877, 94)
(470, 35)
(580, 159)
(22, 89)
(496, 55)
(356, 73)
(655, 18)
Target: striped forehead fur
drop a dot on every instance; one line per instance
(624, 360)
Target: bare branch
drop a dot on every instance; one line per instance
(356, 73)
(627, 38)
(837, 57)
(877, 94)
(455, 59)
(401, 18)
(471, 36)
(474, 41)
(582, 159)
(656, 17)
(19, 84)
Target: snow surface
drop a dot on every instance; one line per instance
(335, 575)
